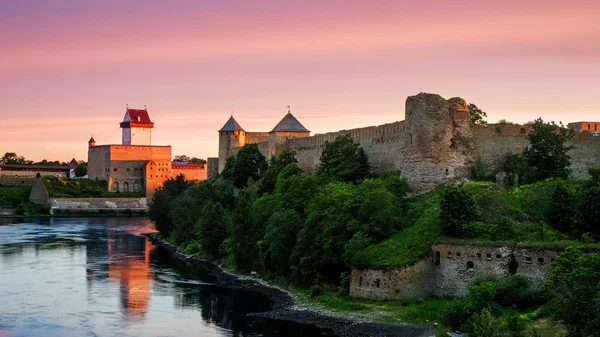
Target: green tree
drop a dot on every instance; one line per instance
(331, 219)
(12, 158)
(186, 210)
(195, 160)
(574, 282)
(247, 163)
(457, 208)
(517, 169)
(378, 213)
(562, 210)
(484, 324)
(279, 241)
(587, 217)
(477, 115)
(548, 150)
(344, 160)
(161, 204)
(212, 228)
(276, 165)
(82, 169)
(245, 233)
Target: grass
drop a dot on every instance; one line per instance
(83, 188)
(14, 195)
(523, 208)
(418, 311)
(407, 246)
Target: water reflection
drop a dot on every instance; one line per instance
(97, 276)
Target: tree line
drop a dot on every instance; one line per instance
(269, 217)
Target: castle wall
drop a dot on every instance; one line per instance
(436, 144)
(39, 193)
(213, 167)
(255, 137)
(190, 171)
(382, 144)
(449, 269)
(33, 173)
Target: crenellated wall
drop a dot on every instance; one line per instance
(449, 269)
(435, 144)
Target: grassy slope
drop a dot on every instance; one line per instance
(9, 195)
(526, 206)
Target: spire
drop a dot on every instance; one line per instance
(231, 125)
(92, 141)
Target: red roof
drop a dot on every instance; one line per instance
(188, 166)
(136, 118)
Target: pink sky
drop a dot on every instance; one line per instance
(67, 68)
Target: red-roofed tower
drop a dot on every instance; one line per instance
(137, 127)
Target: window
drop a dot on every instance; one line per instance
(128, 169)
(437, 258)
(115, 169)
(470, 265)
(589, 127)
(377, 283)
(449, 254)
(528, 258)
(498, 256)
(540, 259)
(479, 255)
(488, 255)
(458, 254)
(360, 282)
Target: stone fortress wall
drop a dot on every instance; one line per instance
(449, 269)
(435, 144)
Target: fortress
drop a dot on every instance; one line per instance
(436, 142)
(136, 165)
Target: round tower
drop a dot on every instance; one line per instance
(438, 140)
(231, 135)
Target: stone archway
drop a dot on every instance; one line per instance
(115, 187)
(125, 187)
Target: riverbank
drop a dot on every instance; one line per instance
(286, 306)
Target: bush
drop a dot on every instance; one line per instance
(484, 324)
(20, 209)
(316, 290)
(562, 211)
(457, 208)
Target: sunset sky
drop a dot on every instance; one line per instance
(68, 68)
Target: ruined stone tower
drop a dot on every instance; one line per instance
(438, 140)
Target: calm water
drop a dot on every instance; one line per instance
(99, 277)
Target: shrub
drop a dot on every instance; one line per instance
(457, 208)
(316, 290)
(484, 324)
(20, 209)
(562, 211)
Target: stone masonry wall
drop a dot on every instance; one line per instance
(435, 144)
(449, 269)
(94, 204)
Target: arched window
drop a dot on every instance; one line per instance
(115, 187)
(470, 265)
(125, 187)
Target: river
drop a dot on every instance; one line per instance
(99, 277)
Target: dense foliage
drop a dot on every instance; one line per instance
(12, 196)
(272, 219)
(547, 151)
(575, 285)
(344, 160)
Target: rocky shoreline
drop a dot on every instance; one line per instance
(286, 307)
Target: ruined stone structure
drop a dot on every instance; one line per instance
(449, 269)
(136, 165)
(434, 144)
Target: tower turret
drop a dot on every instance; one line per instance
(231, 135)
(137, 127)
(289, 127)
(91, 142)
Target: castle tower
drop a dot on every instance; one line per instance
(231, 135)
(289, 127)
(137, 127)
(438, 140)
(91, 143)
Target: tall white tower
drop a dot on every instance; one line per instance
(137, 127)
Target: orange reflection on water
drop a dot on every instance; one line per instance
(132, 270)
